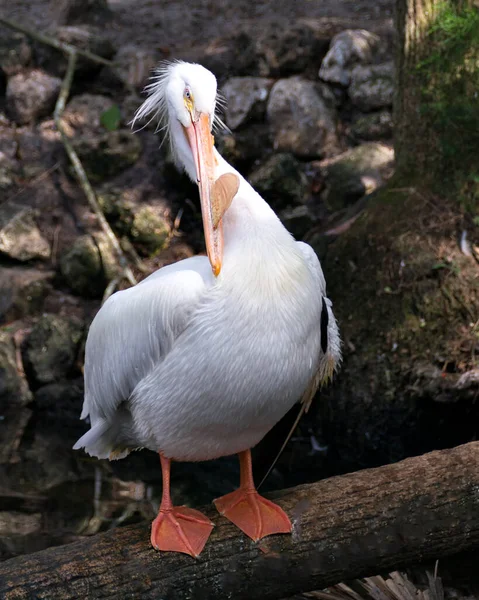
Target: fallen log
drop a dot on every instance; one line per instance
(345, 527)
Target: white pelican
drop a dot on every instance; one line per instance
(203, 357)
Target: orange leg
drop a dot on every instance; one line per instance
(253, 514)
(178, 529)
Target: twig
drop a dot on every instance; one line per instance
(50, 41)
(56, 234)
(34, 181)
(130, 251)
(110, 288)
(80, 171)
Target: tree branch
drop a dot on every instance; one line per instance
(360, 524)
(80, 171)
(50, 41)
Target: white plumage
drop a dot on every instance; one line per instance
(196, 366)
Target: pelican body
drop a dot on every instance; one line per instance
(203, 357)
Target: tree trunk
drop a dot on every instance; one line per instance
(376, 520)
(436, 114)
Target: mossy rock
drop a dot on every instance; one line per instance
(298, 220)
(150, 230)
(281, 181)
(118, 211)
(373, 126)
(89, 265)
(50, 351)
(372, 86)
(22, 291)
(106, 155)
(246, 146)
(355, 173)
(406, 301)
(20, 237)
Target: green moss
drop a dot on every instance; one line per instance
(108, 154)
(397, 296)
(450, 77)
(88, 265)
(281, 181)
(150, 231)
(117, 209)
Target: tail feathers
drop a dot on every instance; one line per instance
(102, 441)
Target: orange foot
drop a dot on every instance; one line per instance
(253, 514)
(180, 529)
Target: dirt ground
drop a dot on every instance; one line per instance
(180, 25)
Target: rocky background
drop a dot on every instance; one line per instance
(309, 90)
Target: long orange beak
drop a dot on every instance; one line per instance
(201, 144)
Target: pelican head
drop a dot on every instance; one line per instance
(182, 97)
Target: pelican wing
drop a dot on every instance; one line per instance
(330, 346)
(135, 329)
(330, 340)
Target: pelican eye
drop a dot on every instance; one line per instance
(188, 100)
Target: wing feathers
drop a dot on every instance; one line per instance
(135, 329)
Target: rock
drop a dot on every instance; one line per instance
(372, 87)
(38, 149)
(333, 95)
(15, 52)
(31, 95)
(246, 99)
(20, 237)
(83, 115)
(286, 51)
(355, 173)
(23, 533)
(89, 265)
(14, 397)
(83, 37)
(302, 122)
(226, 57)
(132, 66)
(117, 208)
(58, 407)
(57, 410)
(281, 181)
(50, 351)
(107, 154)
(8, 175)
(12, 387)
(22, 292)
(348, 49)
(245, 146)
(373, 126)
(297, 220)
(150, 230)
(81, 11)
(9, 167)
(18, 524)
